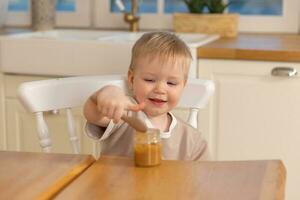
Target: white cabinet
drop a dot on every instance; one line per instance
(21, 132)
(2, 115)
(254, 115)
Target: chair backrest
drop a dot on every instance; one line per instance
(67, 93)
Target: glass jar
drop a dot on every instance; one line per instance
(147, 148)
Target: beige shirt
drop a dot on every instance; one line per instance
(183, 143)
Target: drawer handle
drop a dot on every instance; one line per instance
(284, 71)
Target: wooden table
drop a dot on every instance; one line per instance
(38, 175)
(118, 178)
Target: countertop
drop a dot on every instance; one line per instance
(266, 47)
(7, 31)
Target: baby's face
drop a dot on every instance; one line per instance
(158, 85)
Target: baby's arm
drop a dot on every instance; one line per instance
(108, 103)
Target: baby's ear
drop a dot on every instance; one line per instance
(130, 79)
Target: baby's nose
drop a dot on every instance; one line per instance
(160, 87)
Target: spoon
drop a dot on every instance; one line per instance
(136, 123)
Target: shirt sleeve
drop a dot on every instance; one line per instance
(201, 151)
(100, 133)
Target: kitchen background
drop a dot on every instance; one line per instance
(256, 15)
(254, 113)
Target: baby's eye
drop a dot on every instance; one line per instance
(171, 83)
(149, 80)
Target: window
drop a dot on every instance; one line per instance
(257, 7)
(174, 6)
(75, 13)
(267, 15)
(22, 5)
(255, 15)
(18, 5)
(145, 6)
(244, 7)
(66, 6)
(107, 14)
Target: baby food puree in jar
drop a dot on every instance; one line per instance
(147, 148)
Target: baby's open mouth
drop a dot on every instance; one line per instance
(154, 100)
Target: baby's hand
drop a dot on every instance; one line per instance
(112, 103)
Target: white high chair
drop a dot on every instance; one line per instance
(67, 93)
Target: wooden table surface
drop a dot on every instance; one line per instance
(38, 175)
(264, 47)
(118, 178)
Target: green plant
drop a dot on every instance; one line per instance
(195, 6)
(216, 6)
(213, 6)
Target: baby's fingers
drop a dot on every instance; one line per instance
(135, 107)
(118, 112)
(110, 112)
(105, 111)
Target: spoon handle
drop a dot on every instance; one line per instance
(136, 123)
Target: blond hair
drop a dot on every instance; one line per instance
(167, 46)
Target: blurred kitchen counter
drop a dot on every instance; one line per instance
(265, 47)
(7, 31)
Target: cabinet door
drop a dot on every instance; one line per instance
(254, 115)
(2, 114)
(21, 129)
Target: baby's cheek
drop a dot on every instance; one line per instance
(174, 100)
(140, 96)
(173, 104)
